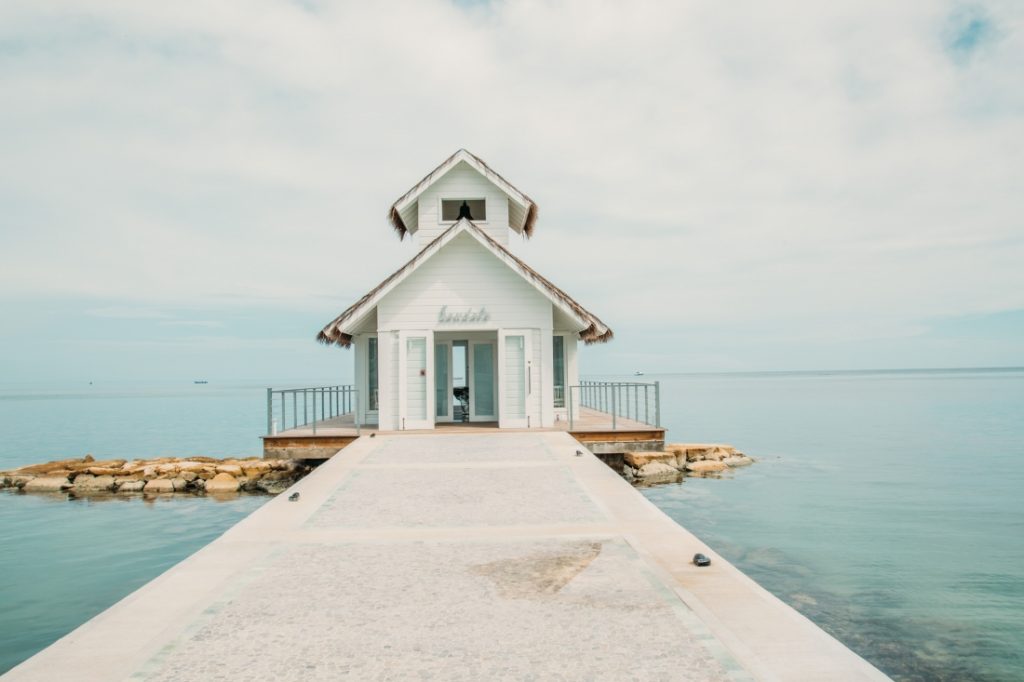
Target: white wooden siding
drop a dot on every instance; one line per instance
(463, 276)
(387, 348)
(462, 182)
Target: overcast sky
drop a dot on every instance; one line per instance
(192, 189)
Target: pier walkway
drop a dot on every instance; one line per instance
(452, 557)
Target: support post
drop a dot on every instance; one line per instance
(613, 408)
(314, 408)
(570, 407)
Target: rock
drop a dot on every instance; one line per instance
(639, 459)
(253, 474)
(149, 472)
(46, 484)
(61, 473)
(199, 484)
(169, 468)
(159, 485)
(248, 484)
(230, 469)
(737, 461)
(706, 467)
(189, 475)
(88, 458)
(191, 465)
(222, 483)
(19, 480)
(107, 463)
(39, 469)
(105, 471)
(272, 486)
(207, 474)
(131, 486)
(89, 482)
(179, 484)
(656, 470)
(121, 480)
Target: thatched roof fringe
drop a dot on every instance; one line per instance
(531, 220)
(396, 222)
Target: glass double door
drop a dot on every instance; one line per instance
(466, 380)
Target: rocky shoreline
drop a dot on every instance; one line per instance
(164, 475)
(682, 459)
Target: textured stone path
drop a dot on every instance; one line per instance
(447, 557)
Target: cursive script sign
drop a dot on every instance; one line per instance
(445, 317)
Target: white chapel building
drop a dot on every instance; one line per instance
(465, 331)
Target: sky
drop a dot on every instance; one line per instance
(192, 190)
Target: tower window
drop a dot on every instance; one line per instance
(453, 209)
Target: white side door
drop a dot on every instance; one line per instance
(515, 386)
(415, 380)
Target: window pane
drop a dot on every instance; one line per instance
(558, 347)
(442, 382)
(483, 379)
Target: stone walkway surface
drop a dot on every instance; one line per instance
(452, 557)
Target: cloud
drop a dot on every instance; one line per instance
(786, 169)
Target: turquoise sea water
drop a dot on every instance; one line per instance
(888, 507)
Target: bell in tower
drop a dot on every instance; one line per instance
(464, 212)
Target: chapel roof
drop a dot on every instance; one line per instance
(522, 220)
(338, 331)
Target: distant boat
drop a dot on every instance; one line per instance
(201, 381)
(638, 373)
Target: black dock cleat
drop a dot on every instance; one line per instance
(701, 560)
(294, 497)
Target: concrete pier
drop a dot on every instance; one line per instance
(452, 557)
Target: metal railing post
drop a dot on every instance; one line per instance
(270, 410)
(657, 404)
(647, 406)
(613, 409)
(305, 407)
(359, 429)
(314, 409)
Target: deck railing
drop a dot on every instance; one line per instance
(623, 403)
(291, 408)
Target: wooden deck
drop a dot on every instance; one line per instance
(591, 427)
